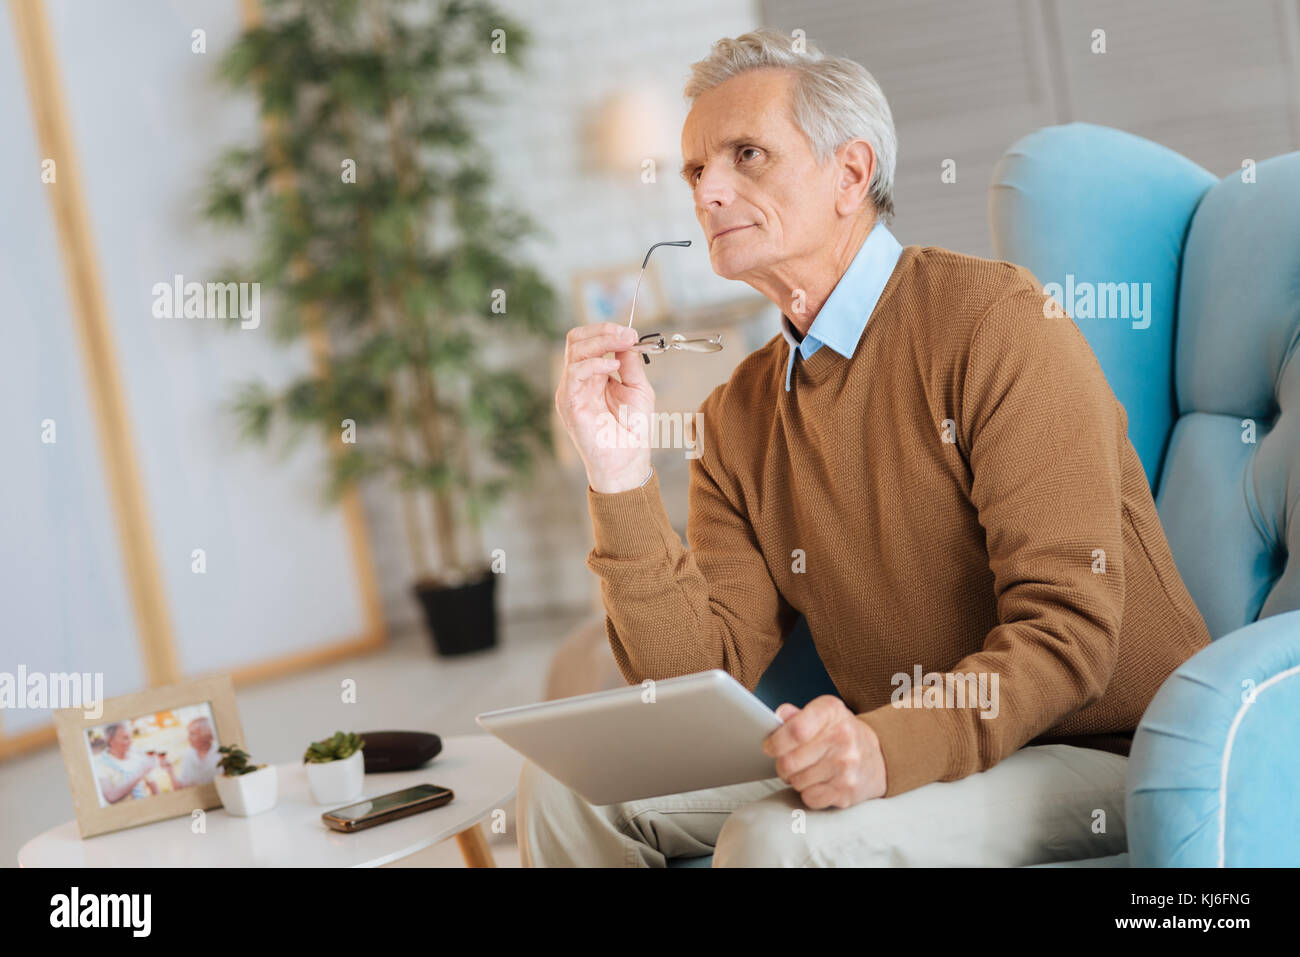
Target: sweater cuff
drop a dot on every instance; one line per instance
(631, 523)
(916, 744)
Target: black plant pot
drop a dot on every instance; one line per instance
(462, 618)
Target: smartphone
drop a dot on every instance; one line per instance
(387, 807)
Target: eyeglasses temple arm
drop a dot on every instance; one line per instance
(678, 242)
(641, 274)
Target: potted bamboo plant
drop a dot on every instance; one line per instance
(380, 244)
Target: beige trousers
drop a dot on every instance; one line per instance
(1051, 802)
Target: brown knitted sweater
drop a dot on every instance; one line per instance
(958, 497)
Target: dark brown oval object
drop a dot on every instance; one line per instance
(398, 750)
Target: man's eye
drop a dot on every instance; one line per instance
(747, 149)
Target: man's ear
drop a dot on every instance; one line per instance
(857, 161)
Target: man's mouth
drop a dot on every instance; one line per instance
(731, 230)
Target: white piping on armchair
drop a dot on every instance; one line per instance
(1227, 757)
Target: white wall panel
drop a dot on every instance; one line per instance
(148, 118)
(63, 599)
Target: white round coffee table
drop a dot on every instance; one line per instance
(479, 769)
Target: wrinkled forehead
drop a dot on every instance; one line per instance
(753, 107)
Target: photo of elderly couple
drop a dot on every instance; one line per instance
(153, 754)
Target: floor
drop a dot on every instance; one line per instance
(404, 686)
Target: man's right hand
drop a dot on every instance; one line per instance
(608, 420)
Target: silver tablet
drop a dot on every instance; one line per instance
(664, 737)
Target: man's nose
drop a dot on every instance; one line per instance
(714, 188)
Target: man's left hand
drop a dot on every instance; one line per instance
(827, 754)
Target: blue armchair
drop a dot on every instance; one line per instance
(1188, 290)
(1206, 378)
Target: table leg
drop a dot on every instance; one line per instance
(474, 847)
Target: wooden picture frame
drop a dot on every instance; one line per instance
(145, 715)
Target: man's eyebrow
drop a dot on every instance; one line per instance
(742, 140)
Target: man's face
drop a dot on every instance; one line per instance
(120, 743)
(750, 167)
(200, 736)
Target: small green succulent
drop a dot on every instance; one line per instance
(335, 748)
(236, 761)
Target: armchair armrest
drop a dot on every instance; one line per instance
(1213, 779)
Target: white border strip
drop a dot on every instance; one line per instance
(1227, 757)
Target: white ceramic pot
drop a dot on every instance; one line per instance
(247, 794)
(337, 782)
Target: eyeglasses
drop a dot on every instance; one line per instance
(656, 343)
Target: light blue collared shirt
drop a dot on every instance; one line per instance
(843, 318)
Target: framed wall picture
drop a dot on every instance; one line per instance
(147, 756)
(605, 295)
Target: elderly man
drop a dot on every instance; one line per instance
(929, 469)
(199, 762)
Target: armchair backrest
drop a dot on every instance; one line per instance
(1093, 212)
(1202, 364)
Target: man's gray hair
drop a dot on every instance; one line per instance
(835, 99)
(206, 722)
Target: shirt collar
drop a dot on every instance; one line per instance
(844, 315)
